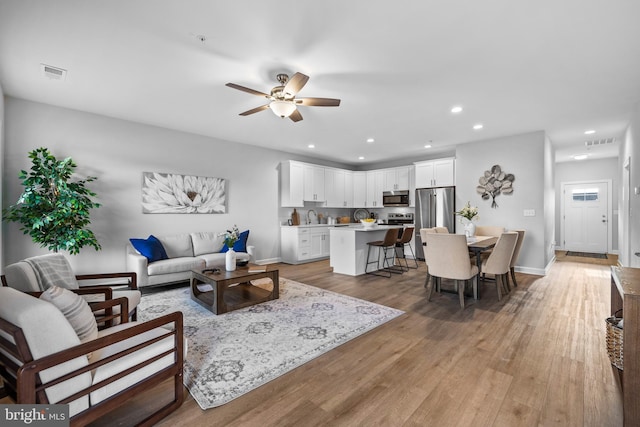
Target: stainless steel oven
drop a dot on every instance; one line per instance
(400, 219)
(395, 198)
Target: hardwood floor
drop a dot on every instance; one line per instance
(536, 358)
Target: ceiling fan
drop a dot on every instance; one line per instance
(283, 101)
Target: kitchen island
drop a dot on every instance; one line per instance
(348, 247)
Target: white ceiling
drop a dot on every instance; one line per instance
(398, 67)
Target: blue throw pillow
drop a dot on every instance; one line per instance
(240, 245)
(150, 248)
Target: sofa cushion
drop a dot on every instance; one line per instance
(240, 245)
(177, 245)
(151, 248)
(219, 259)
(206, 242)
(75, 309)
(175, 265)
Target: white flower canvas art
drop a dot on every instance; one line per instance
(173, 193)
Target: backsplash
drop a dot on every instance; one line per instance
(305, 214)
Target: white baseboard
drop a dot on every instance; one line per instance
(529, 270)
(268, 261)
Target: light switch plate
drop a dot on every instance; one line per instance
(529, 212)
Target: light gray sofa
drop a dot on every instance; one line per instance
(186, 252)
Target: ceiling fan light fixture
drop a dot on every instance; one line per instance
(282, 108)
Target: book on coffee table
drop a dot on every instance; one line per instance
(257, 269)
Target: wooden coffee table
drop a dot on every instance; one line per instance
(224, 291)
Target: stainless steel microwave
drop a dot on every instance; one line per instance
(395, 198)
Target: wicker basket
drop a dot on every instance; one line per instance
(615, 340)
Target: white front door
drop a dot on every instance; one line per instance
(585, 217)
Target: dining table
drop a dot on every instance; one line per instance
(477, 245)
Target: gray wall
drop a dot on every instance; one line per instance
(1, 169)
(117, 152)
(589, 170)
(524, 156)
(629, 203)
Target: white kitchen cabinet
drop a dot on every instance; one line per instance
(435, 173)
(319, 242)
(396, 178)
(412, 186)
(359, 189)
(303, 244)
(313, 183)
(375, 185)
(291, 184)
(338, 188)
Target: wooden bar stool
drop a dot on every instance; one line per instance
(387, 245)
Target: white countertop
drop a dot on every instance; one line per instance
(357, 227)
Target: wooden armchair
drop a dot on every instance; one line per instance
(43, 361)
(35, 274)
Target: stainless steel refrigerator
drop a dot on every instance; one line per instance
(435, 207)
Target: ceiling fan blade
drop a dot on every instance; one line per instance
(296, 116)
(318, 102)
(246, 89)
(255, 110)
(295, 84)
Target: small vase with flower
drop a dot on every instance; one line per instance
(468, 214)
(230, 238)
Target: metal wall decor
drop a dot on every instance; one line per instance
(173, 193)
(495, 182)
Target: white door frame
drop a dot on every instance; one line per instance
(609, 208)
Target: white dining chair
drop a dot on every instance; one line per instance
(447, 256)
(499, 261)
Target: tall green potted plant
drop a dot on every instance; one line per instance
(53, 209)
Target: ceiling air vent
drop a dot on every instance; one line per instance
(597, 142)
(53, 73)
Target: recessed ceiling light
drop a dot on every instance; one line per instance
(361, 158)
(456, 109)
(478, 126)
(580, 156)
(589, 132)
(370, 140)
(311, 146)
(427, 146)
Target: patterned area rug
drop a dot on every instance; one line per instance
(233, 353)
(587, 254)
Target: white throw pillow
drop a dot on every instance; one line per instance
(75, 309)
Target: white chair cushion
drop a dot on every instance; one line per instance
(47, 331)
(21, 276)
(75, 309)
(175, 265)
(126, 362)
(207, 242)
(177, 245)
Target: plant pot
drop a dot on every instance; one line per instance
(230, 260)
(470, 229)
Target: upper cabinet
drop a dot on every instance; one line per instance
(396, 179)
(375, 185)
(435, 173)
(313, 183)
(359, 189)
(338, 188)
(291, 184)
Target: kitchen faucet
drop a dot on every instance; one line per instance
(309, 215)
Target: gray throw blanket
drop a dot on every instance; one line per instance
(53, 270)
